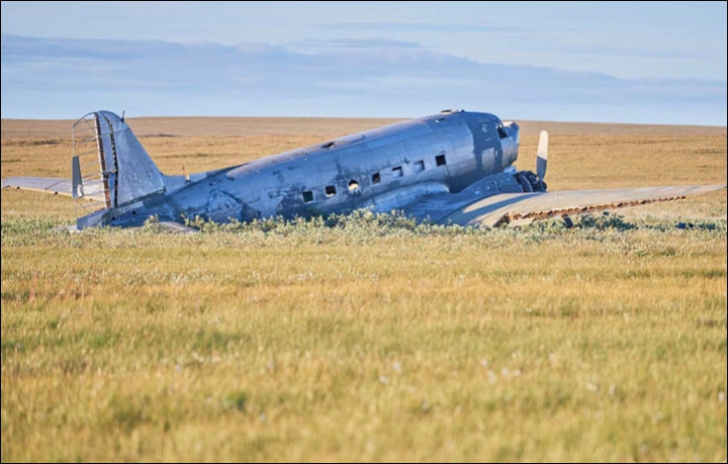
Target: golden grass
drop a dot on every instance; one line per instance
(372, 340)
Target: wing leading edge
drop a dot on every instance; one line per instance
(520, 208)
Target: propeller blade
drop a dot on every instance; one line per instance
(542, 155)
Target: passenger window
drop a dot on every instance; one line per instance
(307, 196)
(419, 166)
(353, 186)
(376, 178)
(330, 191)
(440, 160)
(397, 171)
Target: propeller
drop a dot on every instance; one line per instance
(542, 155)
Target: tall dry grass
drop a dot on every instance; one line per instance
(371, 338)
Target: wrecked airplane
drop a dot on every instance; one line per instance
(452, 167)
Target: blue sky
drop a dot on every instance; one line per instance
(635, 62)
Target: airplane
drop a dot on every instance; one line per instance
(453, 167)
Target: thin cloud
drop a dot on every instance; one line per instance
(628, 51)
(383, 26)
(357, 44)
(339, 78)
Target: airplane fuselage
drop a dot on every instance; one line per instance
(454, 167)
(382, 169)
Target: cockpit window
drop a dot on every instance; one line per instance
(502, 133)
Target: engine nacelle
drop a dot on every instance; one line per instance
(530, 182)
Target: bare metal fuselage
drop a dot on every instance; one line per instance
(382, 169)
(450, 168)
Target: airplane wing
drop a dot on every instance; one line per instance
(40, 184)
(521, 208)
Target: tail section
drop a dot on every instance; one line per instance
(110, 166)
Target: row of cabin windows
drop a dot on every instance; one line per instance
(330, 190)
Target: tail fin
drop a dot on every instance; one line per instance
(126, 171)
(110, 166)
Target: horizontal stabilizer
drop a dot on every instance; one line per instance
(40, 184)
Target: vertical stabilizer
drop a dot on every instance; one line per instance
(136, 176)
(110, 167)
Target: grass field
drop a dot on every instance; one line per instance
(372, 338)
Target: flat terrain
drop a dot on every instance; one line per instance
(369, 338)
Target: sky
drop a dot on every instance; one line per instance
(642, 62)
